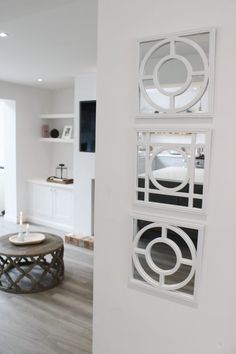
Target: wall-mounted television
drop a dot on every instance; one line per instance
(87, 126)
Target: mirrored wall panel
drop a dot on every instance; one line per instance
(166, 256)
(176, 74)
(172, 168)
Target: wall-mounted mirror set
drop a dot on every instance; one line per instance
(175, 80)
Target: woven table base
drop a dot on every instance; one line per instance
(29, 274)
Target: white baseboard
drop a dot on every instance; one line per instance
(9, 218)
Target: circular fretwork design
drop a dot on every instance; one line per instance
(34, 268)
(180, 259)
(191, 74)
(186, 161)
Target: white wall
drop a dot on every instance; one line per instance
(2, 162)
(2, 195)
(63, 100)
(32, 159)
(128, 321)
(84, 162)
(2, 129)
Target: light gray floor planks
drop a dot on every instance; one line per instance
(57, 321)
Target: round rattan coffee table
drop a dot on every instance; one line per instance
(32, 268)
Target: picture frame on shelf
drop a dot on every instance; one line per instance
(67, 132)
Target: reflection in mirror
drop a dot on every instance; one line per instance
(174, 74)
(165, 77)
(164, 256)
(161, 160)
(171, 168)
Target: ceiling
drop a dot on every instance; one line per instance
(50, 39)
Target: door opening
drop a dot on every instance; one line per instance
(8, 196)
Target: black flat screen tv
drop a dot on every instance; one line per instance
(87, 126)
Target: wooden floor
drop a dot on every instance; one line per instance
(57, 321)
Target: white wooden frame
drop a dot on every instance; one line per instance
(152, 286)
(176, 216)
(190, 175)
(208, 71)
(67, 132)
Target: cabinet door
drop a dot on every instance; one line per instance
(63, 205)
(41, 201)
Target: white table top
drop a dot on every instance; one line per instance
(176, 174)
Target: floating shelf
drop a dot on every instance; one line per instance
(57, 116)
(57, 140)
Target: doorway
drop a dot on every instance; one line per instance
(8, 198)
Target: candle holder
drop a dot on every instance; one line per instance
(21, 235)
(27, 232)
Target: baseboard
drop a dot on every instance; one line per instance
(9, 218)
(55, 225)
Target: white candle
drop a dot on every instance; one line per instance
(21, 218)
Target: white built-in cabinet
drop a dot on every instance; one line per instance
(51, 204)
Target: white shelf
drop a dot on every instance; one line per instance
(57, 140)
(57, 116)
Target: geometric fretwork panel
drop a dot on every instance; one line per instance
(166, 257)
(176, 74)
(172, 168)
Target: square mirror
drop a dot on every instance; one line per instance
(172, 168)
(176, 75)
(166, 256)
